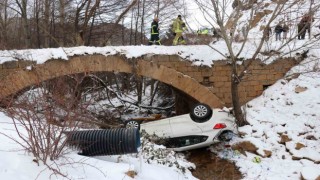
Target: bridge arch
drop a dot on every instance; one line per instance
(21, 79)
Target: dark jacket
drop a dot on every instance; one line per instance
(307, 19)
(154, 27)
(285, 28)
(278, 28)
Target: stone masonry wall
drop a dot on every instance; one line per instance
(217, 77)
(11, 66)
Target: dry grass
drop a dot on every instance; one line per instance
(131, 173)
(244, 146)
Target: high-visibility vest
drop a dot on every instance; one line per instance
(204, 31)
(154, 27)
(177, 25)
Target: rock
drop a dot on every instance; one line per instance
(292, 76)
(299, 146)
(245, 146)
(311, 137)
(284, 139)
(131, 173)
(300, 89)
(267, 153)
(295, 158)
(242, 134)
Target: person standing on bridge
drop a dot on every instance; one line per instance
(155, 32)
(177, 29)
(278, 30)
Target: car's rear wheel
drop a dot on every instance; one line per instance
(201, 113)
(132, 124)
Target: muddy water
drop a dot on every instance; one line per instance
(211, 167)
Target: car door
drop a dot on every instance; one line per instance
(184, 126)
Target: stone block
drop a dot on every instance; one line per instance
(262, 77)
(254, 83)
(227, 85)
(270, 77)
(251, 94)
(206, 73)
(219, 84)
(258, 88)
(278, 76)
(174, 58)
(10, 65)
(23, 64)
(241, 88)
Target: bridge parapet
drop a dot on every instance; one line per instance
(196, 81)
(20, 78)
(11, 66)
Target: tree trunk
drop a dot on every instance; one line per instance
(24, 16)
(139, 80)
(52, 27)
(240, 120)
(153, 91)
(137, 23)
(122, 33)
(158, 9)
(4, 23)
(46, 24)
(37, 21)
(62, 22)
(131, 27)
(142, 22)
(88, 41)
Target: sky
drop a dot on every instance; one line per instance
(196, 19)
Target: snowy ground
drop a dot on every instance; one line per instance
(285, 121)
(18, 164)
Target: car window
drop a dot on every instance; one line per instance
(184, 141)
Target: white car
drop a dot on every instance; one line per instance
(201, 128)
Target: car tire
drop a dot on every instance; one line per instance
(132, 124)
(201, 113)
(226, 136)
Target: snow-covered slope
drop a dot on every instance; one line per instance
(17, 164)
(284, 128)
(285, 120)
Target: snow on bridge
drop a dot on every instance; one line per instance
(200, 71)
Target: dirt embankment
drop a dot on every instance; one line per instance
(211, 167)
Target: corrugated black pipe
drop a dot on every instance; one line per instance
(105, 142)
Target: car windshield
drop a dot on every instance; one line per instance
(184, 141)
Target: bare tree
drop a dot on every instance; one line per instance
(256, 19)
(56, 23)
(22, 5)
(4, 23)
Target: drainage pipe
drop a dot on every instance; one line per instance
(105, 142)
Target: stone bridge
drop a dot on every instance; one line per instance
(210, 85)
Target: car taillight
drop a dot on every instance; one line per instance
(220, 126)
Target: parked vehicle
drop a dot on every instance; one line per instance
(201, 128)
